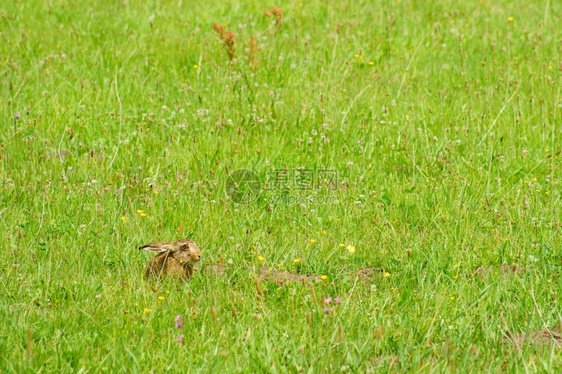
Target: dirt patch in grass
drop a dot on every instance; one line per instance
(58, 154)
(369, 274)
(285, 276)
(214, 271)
(536, 338)
(366, 275)
(384, 361)
(504, 270)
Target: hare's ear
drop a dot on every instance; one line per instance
(157, 247)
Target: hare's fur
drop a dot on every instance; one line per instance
(173, 259)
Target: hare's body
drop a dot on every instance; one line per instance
(163, 265)
(173, 259)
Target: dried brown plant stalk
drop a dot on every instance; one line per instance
(228, 38)
(278, 13)
(252, 53)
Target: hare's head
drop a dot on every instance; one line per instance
(183, 250)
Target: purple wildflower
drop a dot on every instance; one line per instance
(337, 300)
(328, 300)
(17, 115)
(179, 339)
(327, 310)
(179, 321)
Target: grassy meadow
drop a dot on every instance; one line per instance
(434, 246)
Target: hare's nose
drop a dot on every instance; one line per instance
(198, 257)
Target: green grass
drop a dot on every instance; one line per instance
(452, 165)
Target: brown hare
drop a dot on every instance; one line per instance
(173, 259)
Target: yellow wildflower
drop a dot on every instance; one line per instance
(280, 265)
(123, 218)
(261, 258)
(156, 192)
(161, 298)
(195, 66)
(297, 261)
(386, 274)
(313, 241)
(323, 277)
(510, 19)
(146, 310)
(350, 249)
(342, 245)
